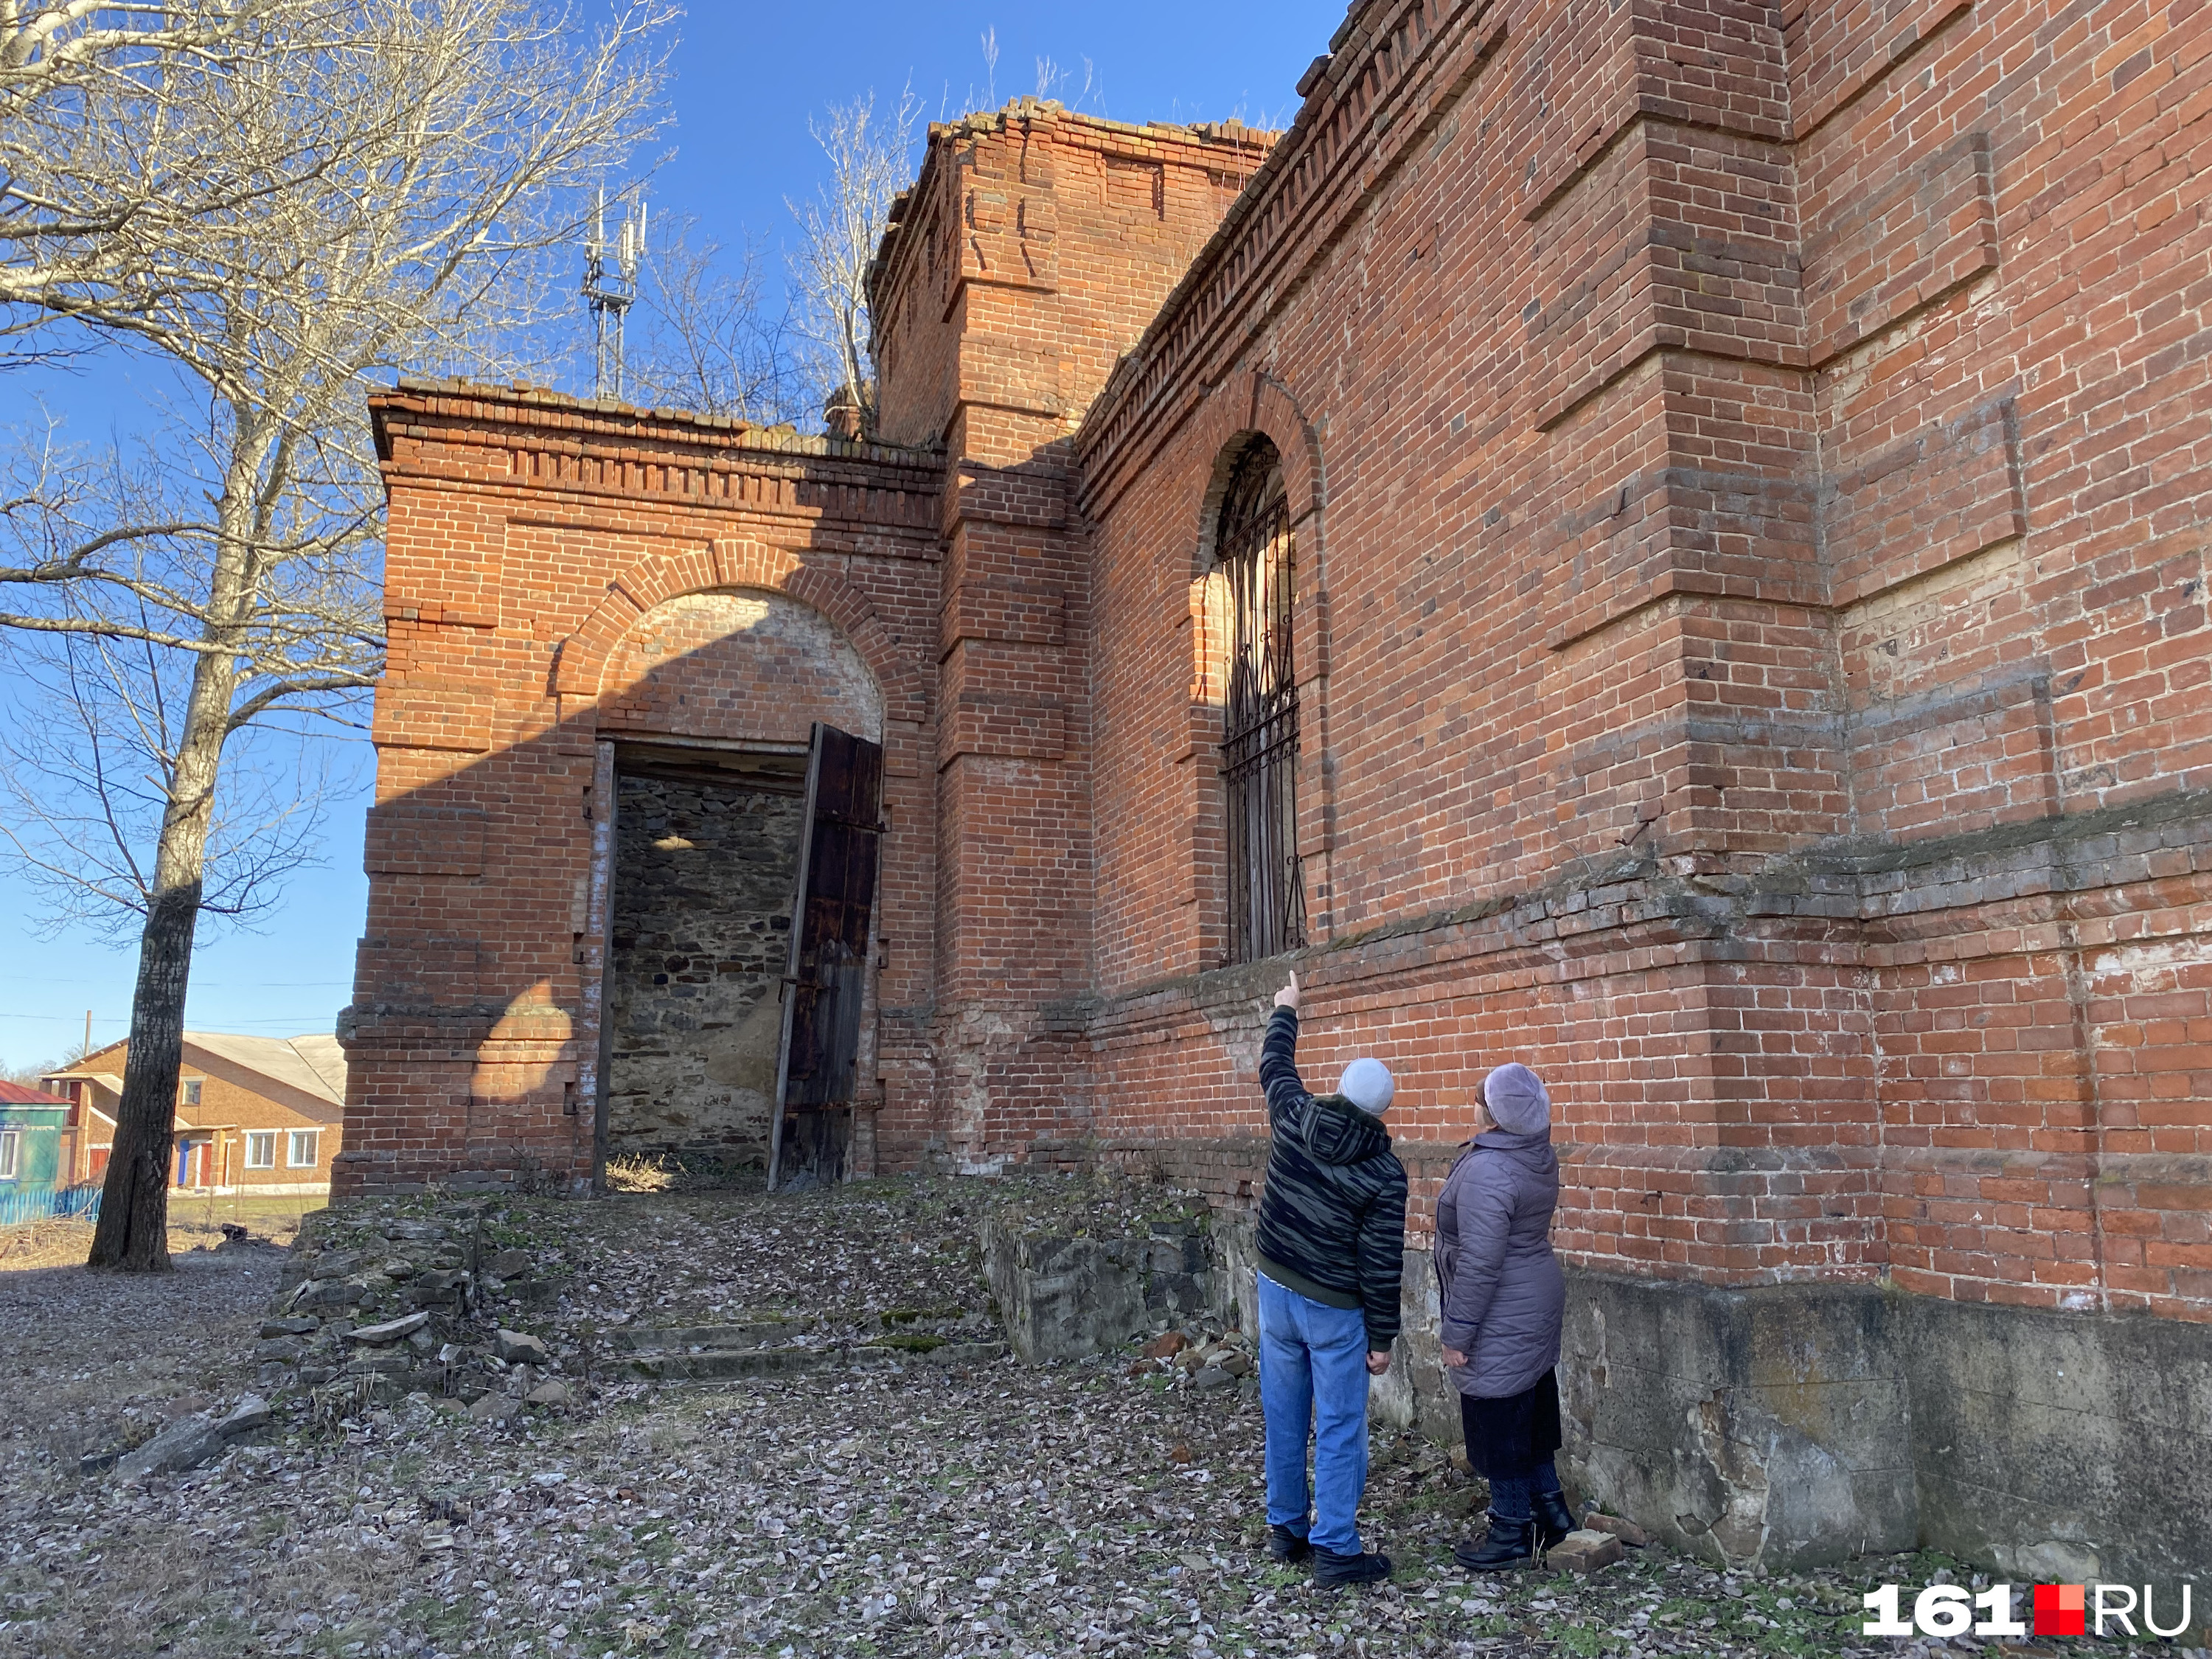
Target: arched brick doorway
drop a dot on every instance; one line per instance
(704, 707)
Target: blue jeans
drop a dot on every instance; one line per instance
(1313, 1383)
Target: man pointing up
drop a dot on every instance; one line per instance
(1332, 1244)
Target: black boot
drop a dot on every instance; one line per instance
(1284, 1545)
(1554, 1519)
(1331, 1569)
(1507, 1544)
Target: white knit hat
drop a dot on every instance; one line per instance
(1367, 1084)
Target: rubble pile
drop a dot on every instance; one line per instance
(374, 1307)
(1205, 1363)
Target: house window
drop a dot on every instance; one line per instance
(261, 1149)
(304, 1147)
(1260, 731)
(193, 1091)
(11, 1154)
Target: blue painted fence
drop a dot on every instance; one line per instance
(20, 1209)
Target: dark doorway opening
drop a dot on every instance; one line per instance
(706, 853)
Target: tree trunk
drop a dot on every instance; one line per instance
(133, 1234)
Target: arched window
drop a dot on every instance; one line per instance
(1260, 735)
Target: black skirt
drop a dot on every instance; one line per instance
(1509, 1439)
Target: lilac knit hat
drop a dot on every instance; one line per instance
(1517, 1099)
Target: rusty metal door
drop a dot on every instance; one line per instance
(826, 982)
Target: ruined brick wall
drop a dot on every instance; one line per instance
(1748, 476)
(1034, 248)
(563, 581)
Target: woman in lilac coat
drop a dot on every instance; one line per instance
(1503, 1300)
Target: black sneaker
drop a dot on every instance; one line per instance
(1331, 1570)
(1284, 1545)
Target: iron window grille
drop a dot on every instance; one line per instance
(1259, 734)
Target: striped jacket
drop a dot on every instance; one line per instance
(1332, 1216)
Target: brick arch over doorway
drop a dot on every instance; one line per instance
(735, 562)
(737, 665)
(528, 536)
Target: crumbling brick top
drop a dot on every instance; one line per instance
(1233, 133)
(542, 406)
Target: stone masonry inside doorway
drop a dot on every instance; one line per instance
(703, 871)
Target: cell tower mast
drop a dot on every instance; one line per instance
(610, 288)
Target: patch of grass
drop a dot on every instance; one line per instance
(684, 1172)
(195, 1224)
(909, 1315)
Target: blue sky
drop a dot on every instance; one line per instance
(746, 79)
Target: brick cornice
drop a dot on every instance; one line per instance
(934, 196)
(539, 438)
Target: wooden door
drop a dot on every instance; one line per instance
(825, 984)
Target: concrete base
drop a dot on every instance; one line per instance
(1064, 1296)
(1765, 1428)
(1797, 1424)
(2063, 1447)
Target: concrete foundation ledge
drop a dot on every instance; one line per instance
(1067, 1287)
(1766, 1428)
(2063, 1447)
(1799, 1424)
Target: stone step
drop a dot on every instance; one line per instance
(686, 1339)
(732, 1365)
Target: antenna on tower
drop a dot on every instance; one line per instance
(611, 287)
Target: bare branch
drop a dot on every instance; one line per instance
(705, 344)
(870, 162)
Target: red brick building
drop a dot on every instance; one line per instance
(262, 1116)
(1664, 540)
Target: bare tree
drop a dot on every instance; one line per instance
(871, 162)
(84, 85)
(707, 343)
(401, 172)
(88, 767)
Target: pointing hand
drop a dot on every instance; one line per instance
(1288, 996)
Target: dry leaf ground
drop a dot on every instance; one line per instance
(993, 1510)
